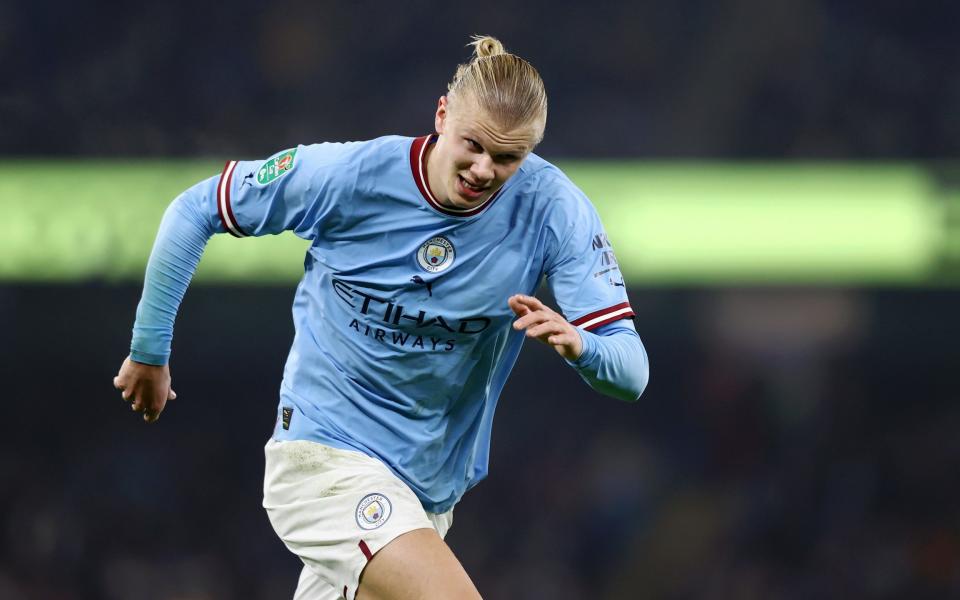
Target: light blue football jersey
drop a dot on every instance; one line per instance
(403, 333)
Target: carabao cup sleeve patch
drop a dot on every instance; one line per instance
(276, 166)
(281, 193)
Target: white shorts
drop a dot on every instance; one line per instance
(335, 509)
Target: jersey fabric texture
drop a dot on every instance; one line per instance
(403, 333)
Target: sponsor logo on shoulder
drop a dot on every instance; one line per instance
(436, 255)
(373, 511)
(276, 167)
(608, 261)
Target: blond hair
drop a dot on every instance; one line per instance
(503, 85)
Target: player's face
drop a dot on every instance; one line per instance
(473, 156)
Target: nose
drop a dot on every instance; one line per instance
(482, 168)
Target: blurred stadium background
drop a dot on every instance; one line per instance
(779, 180)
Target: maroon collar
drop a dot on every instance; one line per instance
(418, 165)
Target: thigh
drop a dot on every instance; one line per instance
(416, 565)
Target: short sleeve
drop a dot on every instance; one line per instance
(285, 192)
(582, 271)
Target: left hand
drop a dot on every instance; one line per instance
(541, 322)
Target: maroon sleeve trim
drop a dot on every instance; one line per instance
(224, 209)
(601, 317)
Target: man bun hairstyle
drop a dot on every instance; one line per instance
(503, 85)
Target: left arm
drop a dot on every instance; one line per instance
(612, 361)
(594, 337)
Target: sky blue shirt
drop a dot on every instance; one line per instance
(403, 333)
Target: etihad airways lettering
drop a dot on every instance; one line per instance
(400, 339)
(391, 313)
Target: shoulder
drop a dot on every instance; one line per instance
(354, 151)
(350, 160)
(553, 191)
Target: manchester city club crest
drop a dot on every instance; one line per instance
(436, 254)
(373, 511)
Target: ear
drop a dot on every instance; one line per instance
(442, 114)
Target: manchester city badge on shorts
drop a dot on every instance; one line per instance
(436, 254)
(373, 511)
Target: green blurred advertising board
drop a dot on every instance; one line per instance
(671, 223)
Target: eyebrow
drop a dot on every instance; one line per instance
(515, 151)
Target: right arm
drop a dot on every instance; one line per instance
(248, 198)
(144, 377)
(181, 239)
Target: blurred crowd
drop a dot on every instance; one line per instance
(791, 445)
(737, 78)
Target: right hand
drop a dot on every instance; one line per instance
(146, 387)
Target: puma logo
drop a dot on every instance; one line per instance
(419, 280)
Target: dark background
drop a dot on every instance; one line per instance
(697, 78)
(793, 443)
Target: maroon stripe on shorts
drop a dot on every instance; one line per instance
(365, 549)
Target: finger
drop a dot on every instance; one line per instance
(150, 417)
(531, 302)
(544, 329)
(116, 383)
(126, 394)
(516, 306)
(172, 395)
(531, 319)
(539, 315)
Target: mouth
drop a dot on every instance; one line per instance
(470, 190)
